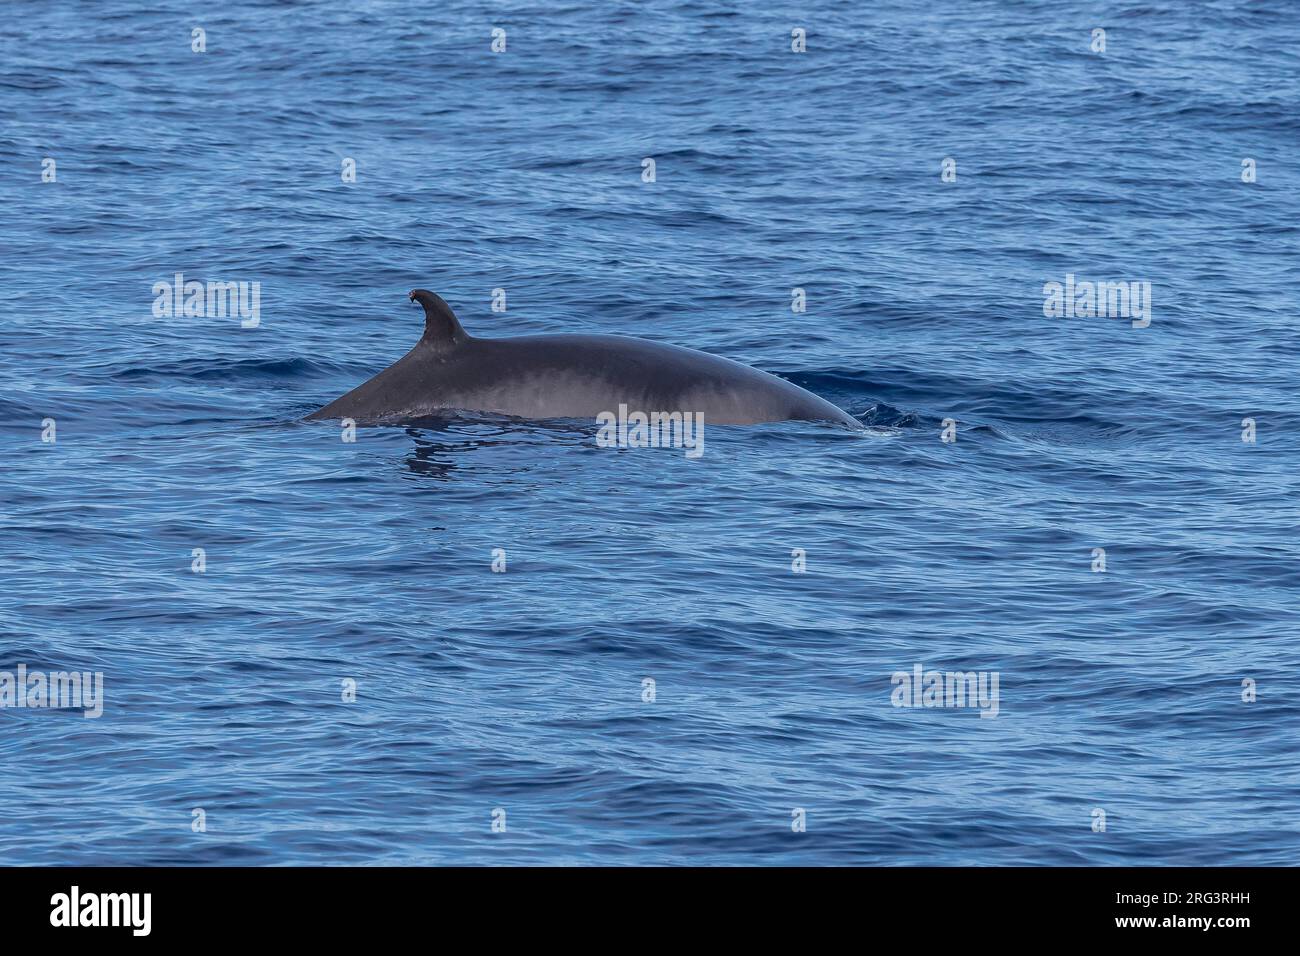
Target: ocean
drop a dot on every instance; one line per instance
(488, 641)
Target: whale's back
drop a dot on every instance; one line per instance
(581, 376)
(569, 376)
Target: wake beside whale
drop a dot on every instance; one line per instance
(568, 376)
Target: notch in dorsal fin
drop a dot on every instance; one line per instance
(441, 327)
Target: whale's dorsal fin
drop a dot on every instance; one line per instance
(441, 327)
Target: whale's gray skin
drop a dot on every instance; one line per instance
(568, 376)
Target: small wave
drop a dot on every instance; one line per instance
(225, 370)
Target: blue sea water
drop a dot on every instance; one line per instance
(521, 696)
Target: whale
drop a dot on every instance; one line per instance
(567, 376)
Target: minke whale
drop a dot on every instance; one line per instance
(568, 376)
